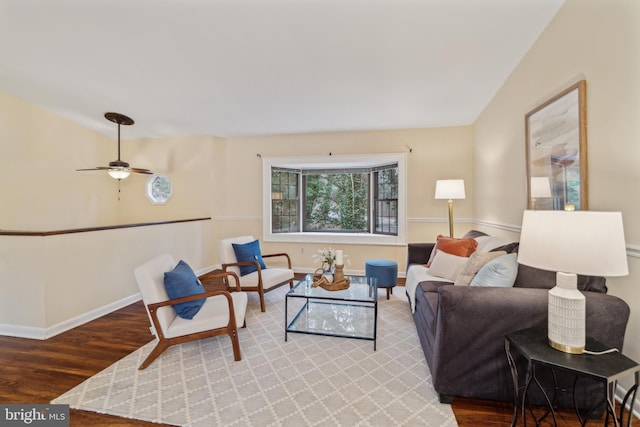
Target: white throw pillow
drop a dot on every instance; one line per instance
(446, 265)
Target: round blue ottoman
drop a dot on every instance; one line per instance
(385, 271)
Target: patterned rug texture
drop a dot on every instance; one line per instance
(310, 380)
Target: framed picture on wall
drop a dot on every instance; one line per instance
(556, 138)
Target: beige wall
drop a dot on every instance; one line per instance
(435, 154)
(49, 283)
(39, 185)
(63, 279)
(187, 161)
(588, 39)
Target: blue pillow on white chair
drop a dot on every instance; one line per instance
(248, 252)
(183, 282)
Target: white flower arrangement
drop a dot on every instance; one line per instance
(328, 258)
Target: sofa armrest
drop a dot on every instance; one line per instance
(418, 253)
(472, 323)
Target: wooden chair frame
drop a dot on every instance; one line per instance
(231, 328)
(259, 288)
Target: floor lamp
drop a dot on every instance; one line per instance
(450, 189)
(571, 243)
(540, 187)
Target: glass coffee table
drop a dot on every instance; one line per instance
(347, 313)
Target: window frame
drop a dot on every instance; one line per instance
(376, 198)
(295, 200)
(336, 162)
(159, 197)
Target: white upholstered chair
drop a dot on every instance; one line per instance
(220, 314)
(261, 280)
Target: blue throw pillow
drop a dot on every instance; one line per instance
(248, 252)
(499, 272)
(183, 282)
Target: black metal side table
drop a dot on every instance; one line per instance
(607, 368)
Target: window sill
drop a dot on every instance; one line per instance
(335, 238)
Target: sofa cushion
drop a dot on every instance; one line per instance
(487, 243)
(447, 266)
(499, 272)
(416, 274)
(182, 282)
(531, 277)
(453, 246)
(270, 277)
(473, 265)
(508, 248)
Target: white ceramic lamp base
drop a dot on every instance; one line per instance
(566, 327)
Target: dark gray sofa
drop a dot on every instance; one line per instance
(462, 329)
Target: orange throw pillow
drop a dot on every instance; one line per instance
(454, 246)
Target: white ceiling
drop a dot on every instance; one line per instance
(259, 67)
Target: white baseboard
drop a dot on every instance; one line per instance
(23, 332)
(621, 393)
(46, 333)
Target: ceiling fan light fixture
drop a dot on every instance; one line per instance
(119, 169)
(119, 172)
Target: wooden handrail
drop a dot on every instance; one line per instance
(88, 229)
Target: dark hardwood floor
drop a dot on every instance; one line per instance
(33, 371)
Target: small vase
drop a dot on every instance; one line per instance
(329, 268)
(328, 275)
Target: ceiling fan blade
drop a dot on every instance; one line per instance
(98, 168)
(139, 170)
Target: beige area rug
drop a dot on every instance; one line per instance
(309, 380)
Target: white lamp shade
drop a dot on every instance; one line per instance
(540, 187)
(581, 242)
(450, 189)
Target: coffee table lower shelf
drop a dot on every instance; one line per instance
(335, 319)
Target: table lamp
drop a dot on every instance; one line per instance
(450, 189)
(540, 187)
(571, 243)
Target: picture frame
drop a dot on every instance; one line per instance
(556, 151)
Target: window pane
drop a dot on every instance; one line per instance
(337, 202)
(386, 201)
(284, 201)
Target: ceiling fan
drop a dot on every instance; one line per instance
(119, 169)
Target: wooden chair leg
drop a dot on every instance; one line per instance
(262, 306)
(157, 351)
(388, 289)
(235, 344)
